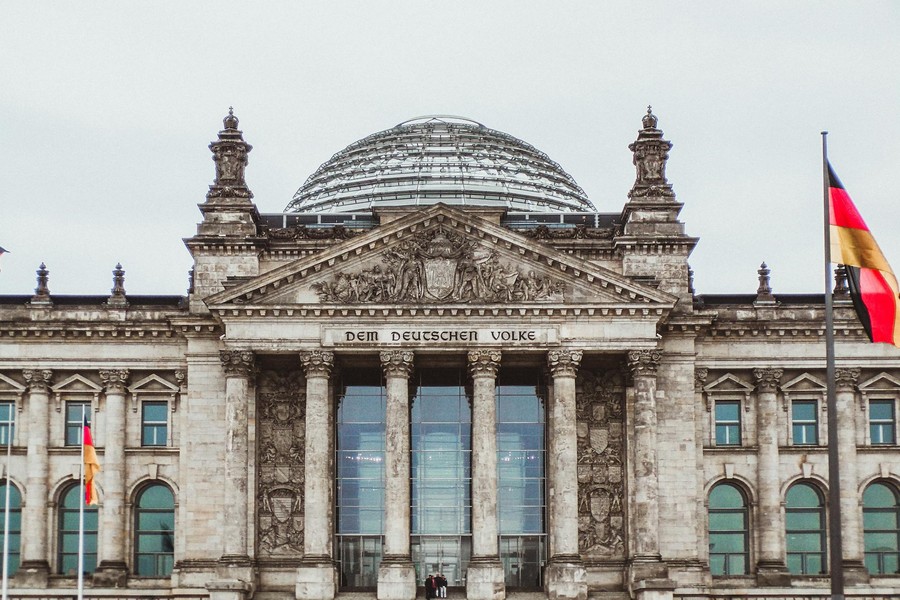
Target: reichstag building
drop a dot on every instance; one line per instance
(440, 357)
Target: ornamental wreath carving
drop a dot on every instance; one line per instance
(281, 402)
(600, 399)
(440, 265)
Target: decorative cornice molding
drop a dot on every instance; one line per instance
(564, 363)
(238, 363)
(317, 363)
(397, 363)
(644, 362)
(846, 378)
(37, 380)
(767, 380)
(484, 362)
(114, 380)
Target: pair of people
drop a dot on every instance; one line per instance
(435, 586)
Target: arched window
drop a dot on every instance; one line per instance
(881, 528)
(15, 524)
(805, 530)
(728, 531)
(154, 529)
(68, 533)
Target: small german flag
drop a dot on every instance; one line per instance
(91, 466)
(873, 286)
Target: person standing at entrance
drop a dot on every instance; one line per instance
(441, 583)
(429, 587)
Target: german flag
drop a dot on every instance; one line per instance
(873, 286)
(91, 466)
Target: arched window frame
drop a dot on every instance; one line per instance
(882, 561)
(15, 522)
(67, 537)
(162, 559)
(806, 560)
(733, 563)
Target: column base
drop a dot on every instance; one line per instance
(565, 578)
(855, 572)
(235, 567)
(647, 568)
(32, 574)
(229, 589)
(654, 589)
(110, 574)
(396, 578)
(316, 579)
(772, 573)
(485, 579)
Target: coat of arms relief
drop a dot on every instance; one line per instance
(439, 265)
(281, 406)
(600, 401)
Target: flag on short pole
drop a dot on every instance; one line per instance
(91, 466)
(873, 286)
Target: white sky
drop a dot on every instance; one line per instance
(106, 110)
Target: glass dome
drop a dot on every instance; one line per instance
(434, 159)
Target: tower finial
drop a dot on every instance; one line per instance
(42, 291)
(764, 291)
(651, 152)
(117, 294)
(230, 155)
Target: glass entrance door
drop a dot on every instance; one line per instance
(438, 554)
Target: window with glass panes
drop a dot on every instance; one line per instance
(15, 524)
(728, 423)
(154, 532)
(7, 423)
(881, 529)
(805, 422)
(154, 423)
(729, 548)
(75, 413)
(68, 533)
(805, 530)
(882, 422)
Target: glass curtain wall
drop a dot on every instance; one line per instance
(360, 447)
(441, 445)
(521, 476)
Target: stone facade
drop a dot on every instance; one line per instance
(652, 400)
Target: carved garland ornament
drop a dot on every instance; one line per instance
(440, 265)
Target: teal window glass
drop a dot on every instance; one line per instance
(154, 423)
(728, 423)
(881, 529)
(68, 532)
(7, 423)
(882, 422)
(805, 530)
(805, 422)
(360, 448)
(729, 552)
(154, 528)
(75, 412)
(15, 524)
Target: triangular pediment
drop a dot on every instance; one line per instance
(441, 256)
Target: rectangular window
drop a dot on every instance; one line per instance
(728, 423)
(75, 412)
(154, 423)
(7, 423)
(882, 422)
(805, 422)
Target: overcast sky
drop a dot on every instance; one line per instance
(107, 108)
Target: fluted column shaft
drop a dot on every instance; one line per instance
(845, 385)
(239, 369)
(483, 366)
(643, 365)
(34, 512)
(112, 532)
(317, 500)
(771, 519)
(397, 365)
(563, 455)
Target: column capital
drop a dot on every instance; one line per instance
(317, 362)
(37, 380)
(700, 375)
(564, 363)
(237, 363)
(114, 380)
(767, 379)
(643, 362)
(397, 363)
(484, 362)
(846, 378)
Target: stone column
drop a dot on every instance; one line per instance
(565, 576)
(396, 575)
(770, 568)
(112, 570)
(35, 567)
(317, 576)
(851, 541)
(485, 579)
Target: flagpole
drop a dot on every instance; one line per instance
(81, 512)
(6, 507)
(834, 475)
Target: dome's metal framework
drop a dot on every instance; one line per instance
(435, 159)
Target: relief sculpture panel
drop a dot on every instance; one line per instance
(281, 403)
(600, 399)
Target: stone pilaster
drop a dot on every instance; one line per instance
(112, 570)
(35, 568)
(485, 579)
(396, 575)
(770, 568)
(317, 576)
(565, 576)
(851, 542)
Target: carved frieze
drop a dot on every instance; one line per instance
(302, 232)
(281, 402)
(600, 399)
(579, 232)
(438, 265)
